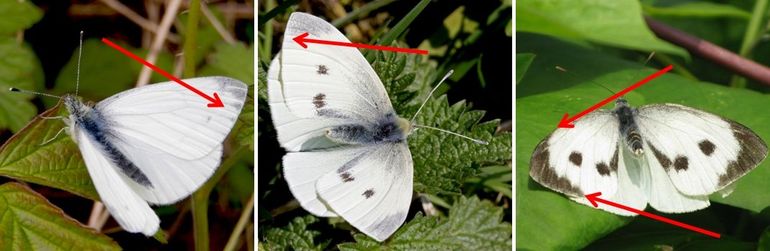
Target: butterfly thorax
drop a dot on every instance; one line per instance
(391, 129)
(629, 130)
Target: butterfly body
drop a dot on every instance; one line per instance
(669, 156)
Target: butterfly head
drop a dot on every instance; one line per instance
(621, 102)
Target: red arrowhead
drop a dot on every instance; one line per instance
(566, 122)
(216, 102)
(301, 39)
(593, 197)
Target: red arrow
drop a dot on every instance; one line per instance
(594, 197)
(302, 39)
(566, 122)
(215, 101)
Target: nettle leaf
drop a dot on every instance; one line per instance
(294, 236)
(31, 222)
(19, 68)
(17, 16)
(56, 164)
(407, 78)
(614, 23)
(472, 224)
(555, 222)
(443, 161)
(237, 61)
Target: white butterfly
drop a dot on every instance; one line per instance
(668, 155)
(347, 150)
(154, 144)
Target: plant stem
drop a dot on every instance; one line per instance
(190, 38)
(399, 28)
(363, 10)
(199, 201)
(750, 38)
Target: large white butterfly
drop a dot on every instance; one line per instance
(668, 155)
(153, 144)
(347, 150)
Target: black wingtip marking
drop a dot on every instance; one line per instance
(368, 193)
(543, 173)
(576, 158)
(319, 100)
(681, 163)
(706, 147)
(753, 151)
(322, 70)
(346, 177)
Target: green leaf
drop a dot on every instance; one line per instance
(105, 71)
(552, 220)
(523, 60)
(443, 161)
(697, 10)
(613, 23)
(472, 224)
(17, 16)
(56, 164)
(21, 69)
(495, 178)
(295, 236)
(764, 240)
(30, 222)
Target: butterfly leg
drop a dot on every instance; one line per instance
(54, 137)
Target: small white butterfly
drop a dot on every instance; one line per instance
(154, 144)
(668, 155)
(347, 150)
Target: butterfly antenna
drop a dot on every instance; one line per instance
(14, 89)
(477, 141)
(559, 68)
(80, 55)
(414, 117)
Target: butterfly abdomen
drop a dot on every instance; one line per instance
(628, 127)
(388, 130)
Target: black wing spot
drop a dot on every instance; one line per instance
(346, 177)
(319, 100)
(368, 193)
(322, 70)
(706, 147)
(680, 163)
(603, 169)
(576, 158)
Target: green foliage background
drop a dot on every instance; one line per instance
(469, 184)
(604, 44)
(45, 190)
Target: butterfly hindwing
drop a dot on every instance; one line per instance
(128, 209)
(701, 152)
(373, 190)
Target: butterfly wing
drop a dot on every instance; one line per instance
(170, 135)
(127, 207)
(660, 190)
(587, 159)
(700, 152)
(294, 133)
(372, 191)
(328, 81)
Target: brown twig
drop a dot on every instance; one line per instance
(217, 25)
(712, 52)
(163, 31)
(138, 19)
